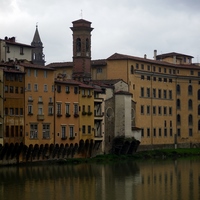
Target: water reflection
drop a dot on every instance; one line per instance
(128, 180)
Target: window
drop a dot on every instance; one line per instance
(154, 93)
(89, 129)
(165, 132)
(29, 87)
(35, 87)
(33, 131)
(154, 132)
(190, 120)
(52, 88)
(11, 89)
(170, 110)
(170, 80)
(132, 69)
(45, 74)
(142, 92)
(178, 119)
(142, 109)
(87, 45)
(148, 132)
(154, 68)
(11, 111)
(189, 104)
(29, 72)
(178, 89)
(178, 104)
(75, 90)
(170, 132)
(50, 100)
(21, 90)
(154, 110)
(165, 80)
(189, 90)
(142, 132)
(21, 111)
(89, 109)
(148, 67)
(154, 78)
(137, 66)
(35, 73)
(160, 79)
(191, 72)
(63, 132)
(99, 70)
(198, 94)
(148, 78)
(148, 92)
(198, 109)
(178, 132)
(75, 108)
(50, 110)
(16, 131)
(59, 109)
(67, 89)
(78, 46)
(199, 125)
(71, 131)
(83, 92)
(21, 51)
(165, 110)
(46, 131)
(160, 93)
(165, 94)
(142, 77)
(12, 131)
(148, 110)
(40, 110)
(170, 94)
(16, 90)
(67, 108)
(159, 110)
(40, 99)
(160, 132)
(83, 129)
(6, 111)
(30, 109)
(7, 131)
(190, 132)
(58, 88)
(6, 89)
(45, 88)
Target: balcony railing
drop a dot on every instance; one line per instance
(40, 117)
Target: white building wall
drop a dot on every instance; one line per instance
(121, 86)
(123, 115)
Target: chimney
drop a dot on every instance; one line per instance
(155, 54)
(145, 56)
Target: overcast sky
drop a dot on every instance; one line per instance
(129, 27)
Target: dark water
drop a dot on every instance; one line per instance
(175, 180)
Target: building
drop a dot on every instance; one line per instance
(38, 57)
(10, 50)
(166, 91)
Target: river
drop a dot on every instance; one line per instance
(128, 180)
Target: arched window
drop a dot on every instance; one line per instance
(178, 119)
(189, 90)
(178, 89)
(78, 45)
(87, 45)
(190, 120)
(178, 104)
(198, 94)
(199, 125)
(189, 104)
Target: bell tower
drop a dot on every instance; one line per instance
(37, 51)
(81, 50)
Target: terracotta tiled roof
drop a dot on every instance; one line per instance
(172, 54)
(106, 82)
(100, 62)
(60, 64)
(118, 56)
(68, 81)
(30, 65)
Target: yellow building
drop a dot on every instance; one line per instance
(66, 112)
(167, 96)
(39, 104)
(13, 105)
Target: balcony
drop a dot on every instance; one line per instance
(40, 117)
(98, 136)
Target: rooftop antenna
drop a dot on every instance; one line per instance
(36, 24)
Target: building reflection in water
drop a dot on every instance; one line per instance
(128, 180)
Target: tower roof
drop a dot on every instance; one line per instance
(36, 38)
